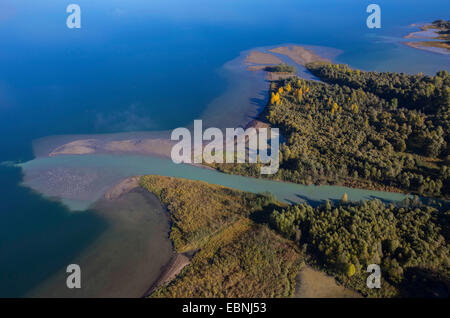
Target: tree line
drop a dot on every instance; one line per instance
(405, 240)
(373, 130)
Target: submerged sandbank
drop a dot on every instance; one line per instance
(257, 57)
(92, 171)
(299, 54)
(241, 103)
(80, 180)
(125, 259)
(428, 32)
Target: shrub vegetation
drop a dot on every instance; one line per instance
(384, 131)
(236, 257)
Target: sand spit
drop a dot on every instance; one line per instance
(79, 147)
(312, 283)
(428, 32)
(160, 147)
(171, 270)
(299, 54)
(140, 143)
(421, 46)
(122, 187)
(296, 53)
(241, 108)
(257, 57)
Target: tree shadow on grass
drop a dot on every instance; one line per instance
(421, 282)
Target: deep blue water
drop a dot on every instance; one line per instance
(149, 65)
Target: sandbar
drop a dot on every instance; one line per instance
(299, 54)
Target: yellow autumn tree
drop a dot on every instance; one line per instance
(334, 108)
(288, 87)
(275, 99)
(329, 101)
(272, 99)
(299, 95)
(351, 270)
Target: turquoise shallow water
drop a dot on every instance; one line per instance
(110, 169)
(150, 65)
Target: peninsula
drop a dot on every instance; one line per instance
(437, 35)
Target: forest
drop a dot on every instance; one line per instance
(443, 34)
(384, 131)
(235, 256)
(250, 245)
(409, 241)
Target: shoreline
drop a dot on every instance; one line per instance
(158, 143)
(129, 143)
(432, 49)
(169, 272)
(177, 262)
(125, 257)
(432, 41)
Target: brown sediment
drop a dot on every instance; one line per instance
(422, 33)
(176, 263)
(147, 146)
(159, 146)
(428, 31)
(77, 147)
(159, 143)
(311, 283)
(299, 54)
(122, 187)
(170, 271)
(430, 46)
(128, 255)
(256, 57)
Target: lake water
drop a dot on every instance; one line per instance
(151, 65)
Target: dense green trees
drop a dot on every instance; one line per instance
(346, 237)
(374, 130)
(235, 256)
(428, 94)
(239, 256)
